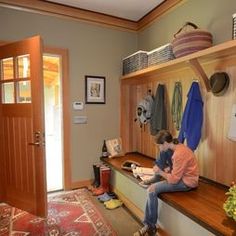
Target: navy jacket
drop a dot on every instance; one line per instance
(165, 159)
(192, 120)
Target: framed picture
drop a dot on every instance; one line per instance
(114, 147)
(95, 89)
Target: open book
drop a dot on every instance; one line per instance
(143, 173)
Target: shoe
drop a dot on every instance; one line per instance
(104, 197)
(112, 195)
(146, 231)
(98, 191)
(143, 184)
(152, 231)
(113, 203)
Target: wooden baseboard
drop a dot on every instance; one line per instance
(80, 184)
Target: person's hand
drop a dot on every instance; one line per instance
(167, 169)
(156, 169)
(161, 148)
(151, 188)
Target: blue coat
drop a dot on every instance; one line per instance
(192, 120)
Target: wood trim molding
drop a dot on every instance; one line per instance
(66, 111)
(81, 184)
(53, 9)
(157, 12)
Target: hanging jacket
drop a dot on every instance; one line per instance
(158, 116)
(176, 106)
(192, 120)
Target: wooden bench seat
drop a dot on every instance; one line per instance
(203, 205)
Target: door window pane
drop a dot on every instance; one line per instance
(7, 68)
(8, 93)
(23, 66)
(24, 92)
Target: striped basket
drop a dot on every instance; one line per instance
(188, 42)
(234, 27)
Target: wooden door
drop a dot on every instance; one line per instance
(22, 150)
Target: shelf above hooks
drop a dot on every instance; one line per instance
(193, 61)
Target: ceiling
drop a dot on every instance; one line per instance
(127, 9)
(131, 15)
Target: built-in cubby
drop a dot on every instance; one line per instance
(215, 152)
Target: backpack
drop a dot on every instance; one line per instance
(144, 109)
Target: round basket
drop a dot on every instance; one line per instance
(196, 39)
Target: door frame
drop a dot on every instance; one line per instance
(64, 53)
(66, 112)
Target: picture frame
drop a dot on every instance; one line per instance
(114, 147)
(95, 89)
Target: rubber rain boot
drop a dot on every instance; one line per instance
(105, 173)
(96, 170)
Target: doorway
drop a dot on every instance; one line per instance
(22, 179)
(53, 121)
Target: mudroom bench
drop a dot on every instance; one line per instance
(202, 205)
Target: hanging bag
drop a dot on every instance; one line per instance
(190, 39)
(143, 110)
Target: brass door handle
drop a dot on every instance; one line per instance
(35, 144)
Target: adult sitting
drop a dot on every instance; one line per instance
(183, 177)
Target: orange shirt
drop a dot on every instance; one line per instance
(185, 167)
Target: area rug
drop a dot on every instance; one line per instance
(69, 214)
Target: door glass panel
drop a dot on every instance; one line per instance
(24, 92)
(7, 68)
(8, 92)
(23, 66)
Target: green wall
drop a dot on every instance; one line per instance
(93, 50)
(96, 50)
(212, 15)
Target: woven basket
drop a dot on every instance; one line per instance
(188, 42)
(160, 55)
(134, 62)
(234, 27)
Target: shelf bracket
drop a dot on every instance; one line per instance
(198, 70)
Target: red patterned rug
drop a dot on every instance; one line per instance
(69, 214)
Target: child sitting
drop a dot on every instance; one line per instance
(164, 162)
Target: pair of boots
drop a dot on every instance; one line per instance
(101, 179)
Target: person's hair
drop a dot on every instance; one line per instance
(165, 136)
